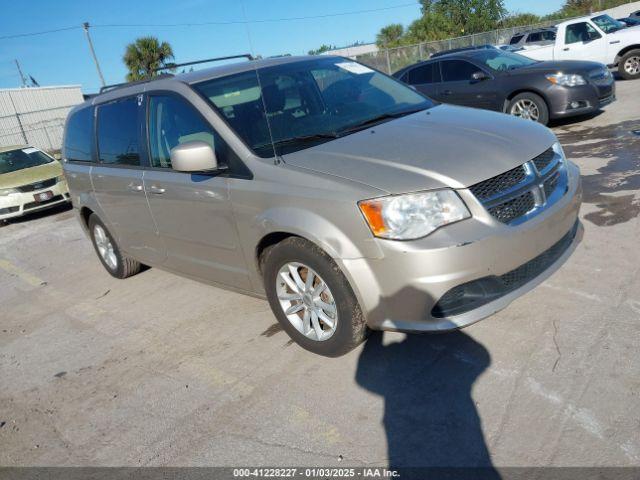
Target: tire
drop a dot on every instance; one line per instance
(121, 266)
(529, 98)
(349, 329)
(629, 65)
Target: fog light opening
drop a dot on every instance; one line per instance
(578, 104)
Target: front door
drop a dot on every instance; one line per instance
(425, 79)
(583, 42)
(459, 88)
(118, 183)
(193, 211)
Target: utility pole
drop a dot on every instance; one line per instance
(85, 26)
(22, 77)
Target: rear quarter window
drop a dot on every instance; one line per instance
(79, 136)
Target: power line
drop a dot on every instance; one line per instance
(196, 24)
(266, 20)
(18, 35)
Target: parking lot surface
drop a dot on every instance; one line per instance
(160, 370)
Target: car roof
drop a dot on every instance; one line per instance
(12, 147)
(190, 78)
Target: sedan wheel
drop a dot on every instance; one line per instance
(307, 301)
(526, 109)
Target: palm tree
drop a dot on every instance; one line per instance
(145, 55)
(390, 36)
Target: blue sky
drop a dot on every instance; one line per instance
(63, 57)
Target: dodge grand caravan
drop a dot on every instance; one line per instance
(347, 199)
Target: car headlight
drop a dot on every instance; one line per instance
(558, 150)
(7, 191)
(566, 80)
(412, 215)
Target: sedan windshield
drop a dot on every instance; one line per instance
(300, 104)
(14, 160)
(608, 24)
(502, 61)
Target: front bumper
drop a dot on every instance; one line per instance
(585, 99)
(18, 204)
(399, 292)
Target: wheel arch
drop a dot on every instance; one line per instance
(626, 50)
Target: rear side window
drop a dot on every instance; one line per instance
(457, 70)
(534, 37)
(424, 74)
(79, 136)
(515, 39)
(118, 133)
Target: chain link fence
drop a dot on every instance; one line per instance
(44, 134)
(393, 59)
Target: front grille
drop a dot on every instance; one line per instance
(474, 294)
(31, 205)
(499, 183)
(516, 208)
(516, 195)
(32, 187)
(543, 160)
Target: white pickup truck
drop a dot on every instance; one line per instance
(598, 38)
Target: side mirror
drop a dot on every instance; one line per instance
(193, 156)
(479, 76)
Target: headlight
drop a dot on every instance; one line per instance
(566, 80)
(412, 215)
(7, 191)
(557, 148)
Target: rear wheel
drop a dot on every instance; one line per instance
(629, 66)
(114, 261)
(311, 298)
(529, 106)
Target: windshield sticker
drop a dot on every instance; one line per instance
(354, 67)
(29, 150)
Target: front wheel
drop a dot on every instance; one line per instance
(629, 66)
(529, 106)
(311, 298)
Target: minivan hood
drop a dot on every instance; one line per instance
(444, 146)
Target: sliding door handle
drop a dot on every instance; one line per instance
(156, 190)
(135, 187)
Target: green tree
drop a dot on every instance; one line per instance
(145, 55)
(390, 36)
(323, 48)
(519, 20)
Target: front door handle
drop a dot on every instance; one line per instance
(157, 190)
(447, 92)
(566, 49)
(135, 187)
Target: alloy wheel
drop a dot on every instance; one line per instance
(307, 301)
(105, 247)
(632, 65)
(526, 109)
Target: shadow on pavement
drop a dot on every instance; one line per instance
(430, 417)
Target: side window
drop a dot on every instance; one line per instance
(172, 122)
(79, 136)
(534, 37)
(515, 39)
(424, 74)
(457, 70)
(580, 32)
(549, 35)
(118, 132)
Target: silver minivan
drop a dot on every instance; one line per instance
(347, 199)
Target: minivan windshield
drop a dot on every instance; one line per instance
(502, 61)
(15, 160)
(608, 24)
(303, 103)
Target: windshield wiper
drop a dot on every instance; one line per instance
(299, 139)
(377, 119)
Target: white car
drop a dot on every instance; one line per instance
(598, 38)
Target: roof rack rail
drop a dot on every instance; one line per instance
(115, 86)
(248, 56)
